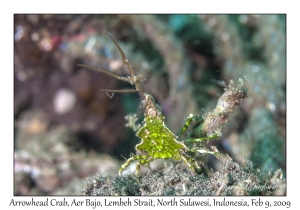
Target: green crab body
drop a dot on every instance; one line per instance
(158, 141)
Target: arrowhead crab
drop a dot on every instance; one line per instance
(157, 140)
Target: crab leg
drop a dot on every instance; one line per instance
(105, 72)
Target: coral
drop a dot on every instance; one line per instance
(213, 121)
(233, 179)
